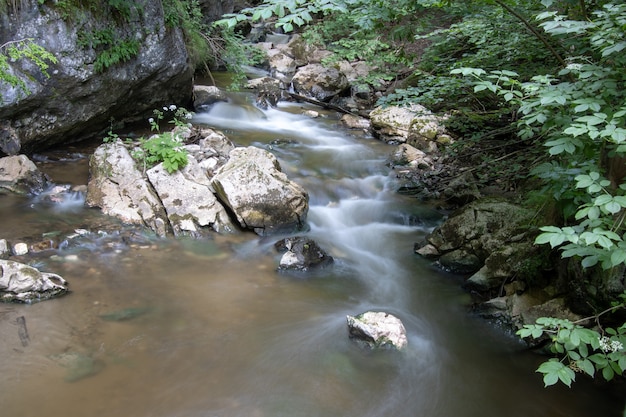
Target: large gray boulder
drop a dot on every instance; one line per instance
(487, 238)
(282, 66)
(204, 96)
(252, 185)
(120, 189)
(25, 284)
(188, 199)
(78, 99)
(415, 125)
(319, 82)
(20, 175)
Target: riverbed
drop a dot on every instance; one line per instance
(183, 328)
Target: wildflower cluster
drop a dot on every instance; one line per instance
(180, 119)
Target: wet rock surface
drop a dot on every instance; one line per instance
(18, 174)
(301, 254)
(377, 330)
(25, 284)
(252, 185)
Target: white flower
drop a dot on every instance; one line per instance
(604, 344)
(188, 115)
(151, 120)
(616, 345)
(165, 108)
(574, 67)
(607, 345)
(172, 107)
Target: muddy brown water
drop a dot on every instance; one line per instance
(183, 328)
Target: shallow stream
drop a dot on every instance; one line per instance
(183, 328)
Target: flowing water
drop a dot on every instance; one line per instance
(182, 328)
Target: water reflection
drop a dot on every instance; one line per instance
(212, 329)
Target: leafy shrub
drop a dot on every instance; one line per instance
(579, 349)
(165, 147)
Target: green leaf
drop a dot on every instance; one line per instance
(589, 261)
(608, 373)
(599, 359)
(593, 120)
(543, 238)
(279, 10)
(550, 379)
(575, 356)
(587, 367)
(554, 371)
(556, 240)
(266, 13)
(612, 207)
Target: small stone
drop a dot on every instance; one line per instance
(20, 249)
(311, 113)
(4, 248)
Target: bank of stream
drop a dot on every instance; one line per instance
(176, 327)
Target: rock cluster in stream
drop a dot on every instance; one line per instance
(218, 180)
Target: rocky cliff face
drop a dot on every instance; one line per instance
(82, 94)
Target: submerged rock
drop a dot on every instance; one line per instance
(378, 330)
(78, 366)
(125, 314)
(25, 284)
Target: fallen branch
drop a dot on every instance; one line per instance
(322, 104)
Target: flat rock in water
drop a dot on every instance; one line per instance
(78, 366)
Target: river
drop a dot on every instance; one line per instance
(214, 330)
